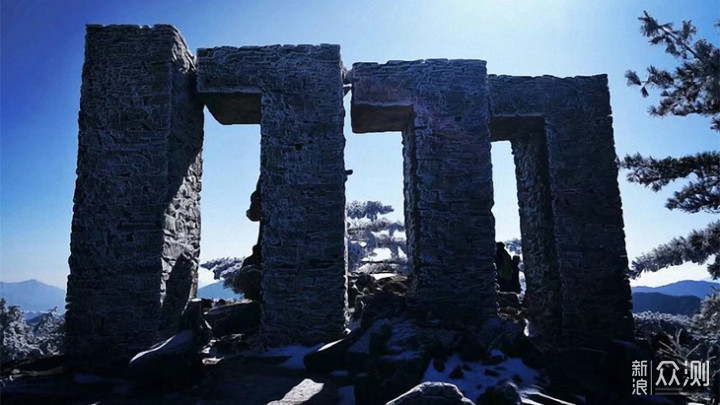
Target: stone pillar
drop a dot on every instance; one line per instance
(136, 223)
(542, 300)
(295, 93)
(441, 108)
(587, 218)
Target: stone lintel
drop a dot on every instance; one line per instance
(507, 128)
(441, 108)
(296, 94)
(588, 236)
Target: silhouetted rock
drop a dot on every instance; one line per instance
(171, 362)
(240, 317)
(193, 319)
(504, 394)
(400, 352)
(329, 357)
(248, 280)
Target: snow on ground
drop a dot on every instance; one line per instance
(294, 352)
(381, 254)
(476, 378)
(172, 343)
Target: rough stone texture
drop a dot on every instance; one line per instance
(432, 393)
(295, 93)
(135, 229)
(542, 297)
(587, 225)
(441, 108)
(309, 392)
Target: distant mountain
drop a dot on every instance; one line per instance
(32, 295)
(668, 304)
(700, 289)
(216, 290)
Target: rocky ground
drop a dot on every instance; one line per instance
(390, 356)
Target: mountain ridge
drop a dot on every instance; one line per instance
(697, 288)
(33, 295)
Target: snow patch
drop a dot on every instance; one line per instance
(475, 379)
(381, 254)
(172, 343)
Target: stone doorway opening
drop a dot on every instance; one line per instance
(231, 167)
(526, 137)
(507, 222)
(375, 240)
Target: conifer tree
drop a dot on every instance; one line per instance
(693, 87)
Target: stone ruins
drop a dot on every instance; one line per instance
(136, 225)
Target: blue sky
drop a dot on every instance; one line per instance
(41, 56)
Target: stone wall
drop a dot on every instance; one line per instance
(441, 108)
(587, 223)
(135, 229)
(136, 224)
(295, 93)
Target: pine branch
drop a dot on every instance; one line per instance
(688, 29)
(702, 194)
(657, 173)
(697, 247)
(694, 86)
(696, 196)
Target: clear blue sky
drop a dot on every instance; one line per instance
(41, 58)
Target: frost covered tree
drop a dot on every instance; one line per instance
(693, 87)
(223, 268)
(16, 338)
(368, 232)
(227, 269)
(707, 321)
(48, 331)
(45, 336)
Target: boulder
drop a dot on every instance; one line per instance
(309, 392)
(395, 284)
(504, 394)
(400, 352)
(507, 336)
(432, 393)
(172, 362)
(193, 319)
(369, 343)
(328, 358)
(381, 305)
(248, 280)
(240, 317)
(389, 376)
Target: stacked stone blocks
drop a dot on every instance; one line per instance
(135, 230)
(441, 108)
(590, 296)
(300, 92)
(136, 224)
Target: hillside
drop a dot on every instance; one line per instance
(33, 295)
(668, 304)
